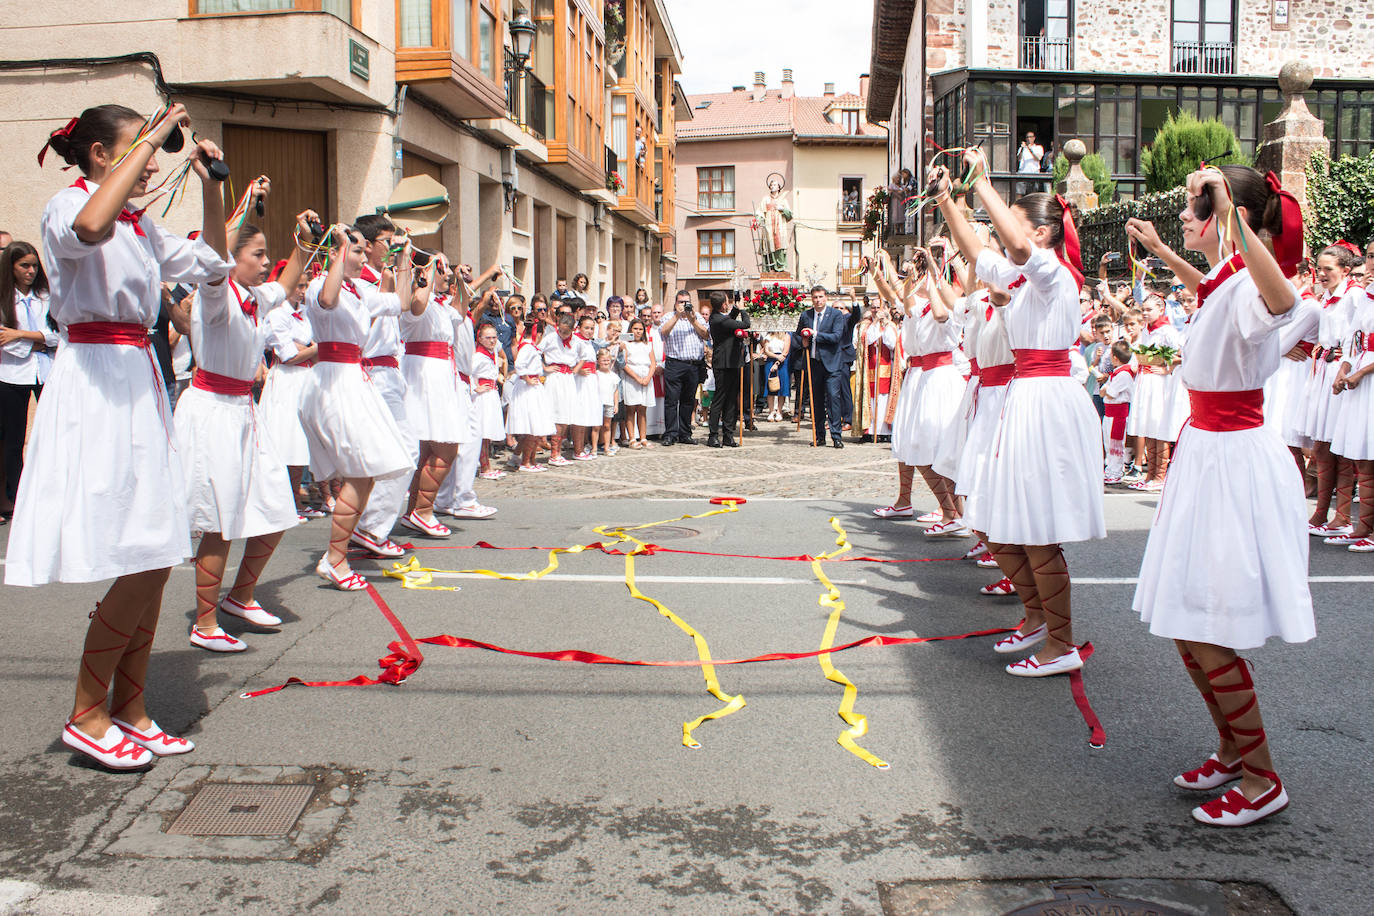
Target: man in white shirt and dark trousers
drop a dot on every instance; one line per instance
(1028, 158)
(684, 347)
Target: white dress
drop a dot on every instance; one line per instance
(1045, 479)
(946, 463)
(351, 430)
(587, 387)
(279, 410)
(992, 349)
(486, 399)
(529, 413)
(433, 410)
(639, 358)
(1226, 560)
(102, 494)
(1353, 436)
(1284, 391)
(1154, 409)
(464, 351)
(561, 359)
(935, 412)
(236, 481)
(904, 418)
(1320, 403)
(875, 337)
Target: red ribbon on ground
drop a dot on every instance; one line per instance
(651, 549)
(1080, 699)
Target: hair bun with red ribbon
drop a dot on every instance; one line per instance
(63, 131)
(1288, 241)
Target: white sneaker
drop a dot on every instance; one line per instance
(217, 641)
(476, 510)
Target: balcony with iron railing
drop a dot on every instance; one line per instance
(527, 99)
(849, 212)
(1041, 52)
(1209, 57)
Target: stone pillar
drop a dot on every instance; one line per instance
(1290, 140)
(1077, 187)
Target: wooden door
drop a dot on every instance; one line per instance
(297, 161)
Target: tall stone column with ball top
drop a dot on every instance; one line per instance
(1291, 139)
(1077, 187)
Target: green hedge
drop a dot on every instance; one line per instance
(1181, 144)
(1104, 229)
(1340, 200)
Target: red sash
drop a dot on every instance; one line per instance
(1226, 411)
(108, 332)
(973, 368)
(466, 379)
(935, 360)
(1117, 413)
(372, 362)
(1042, 363)
(560, 368)
(221, 384)
(331, 351)
(434, 349)
(996, 376)
(1307, 346)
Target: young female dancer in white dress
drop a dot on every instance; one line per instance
(1225, 567)
(102, 495)
(1321, 407)
(291, 340)
(1353, 436)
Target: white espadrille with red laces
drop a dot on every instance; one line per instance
(976, 551)
(1029, 667)
(385, 547)
(1235, 810)
(1001, 588)
(894, 512)
(115, 750)
(1211, 775)
(251, 612)
(1020, 642)
(216, 640)
(156, 740)
(416, 522)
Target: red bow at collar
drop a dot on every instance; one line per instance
(125, 216)
(369, 276)
(348, 285)
(249, 306)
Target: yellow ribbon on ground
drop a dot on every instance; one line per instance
(857, 722)
(708, 671)
(413, 575)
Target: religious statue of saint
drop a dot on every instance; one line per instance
(775, 230)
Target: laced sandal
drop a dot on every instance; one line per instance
(156, 740)
(1001, 588)
(216, 641)
(386, 548)
(930, 518)
(1029, 667)
(894, 512)
(251, 612)
(1235, 810)
(950, 529)
(415, 522)
(350, 583)
(1213, 774)
(1018, 641)
(114, 750)
(987, 561)
(977, 551)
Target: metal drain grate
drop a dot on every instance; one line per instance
(225, 809)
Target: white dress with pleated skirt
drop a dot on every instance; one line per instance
(434, 411)
(236, 481)
(486, 398)
(561, 359)
(1353, 435)
(1226, 560)
(103, 494)
(588, 387)
(279, 410)
(992, 349)
(878, 341)
(1155, 409)
(904, 417)
(639, 357)
(938, 391)
(1320, 404)
(529, 413)
(1045, 479)
(352, 432)
(1284, 390)
(946, 463)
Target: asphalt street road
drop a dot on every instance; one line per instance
(492, 783)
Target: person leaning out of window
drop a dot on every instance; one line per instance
(28, 341)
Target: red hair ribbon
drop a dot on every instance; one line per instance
(276, 270)
(1069, 254)
(1350, 247)
(60, 132)
(1288, 241)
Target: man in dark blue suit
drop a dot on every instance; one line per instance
(825, 333)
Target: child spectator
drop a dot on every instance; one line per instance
(608, 382)
(1116, 404)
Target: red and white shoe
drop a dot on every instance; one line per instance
(1330, 531)
(349, 583)
(976, 551)
(1235, 810)
(416, 523)
(386, 547)
(1029, 667)
(114, 750)
(1363, 545)
(474, 511)
(492, 475)
(251, 612)
(1001, 587)
(533, 468)
(950, 529)
(216, 641)
(1341, 540)
(1213, 774)
(1020, 642)
(558, 461)
(156, 740)
(930, 518)
(894, 512)
(987, 561)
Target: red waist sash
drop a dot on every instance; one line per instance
(559, 367)
(334, 352)
(1118, 414)
(995, 376)
(1042, 363)
(434, 349)
(221, 384)
(973, 368)
(1226, 411)
(108, 332)
(930, 360)
(1307, 346)
(372, 362)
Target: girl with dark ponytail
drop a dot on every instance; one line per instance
(104, 495)
(1043, 483)
(1225, 567)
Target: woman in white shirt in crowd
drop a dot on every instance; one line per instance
(27, 343)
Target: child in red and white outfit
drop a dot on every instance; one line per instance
(1225, 567)
(1353, 436)
(1335, 475)
(565, 356)
(1155, 414)
(529, 417)
(237, 486)
(1117, 391)
(103, 494)
(458, 494)
(486, 397)
(291, 340)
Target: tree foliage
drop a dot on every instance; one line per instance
(1181, 144)
(1095, 167)
(1340, 200)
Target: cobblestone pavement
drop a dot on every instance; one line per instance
(777, 461)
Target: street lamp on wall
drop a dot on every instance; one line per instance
(522, 40)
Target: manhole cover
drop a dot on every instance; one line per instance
(667, 533)
(224, 809)
(1083, 899)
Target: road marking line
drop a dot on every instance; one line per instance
(670, 580)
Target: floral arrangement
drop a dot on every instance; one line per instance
(776, 299)
(614, 182)
(875, 212)
(1156, 355)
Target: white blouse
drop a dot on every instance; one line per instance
(384, 336)
(1232, 344)
(1043, 313)
(350, 320)
(288, 332)
(1338, 308)
(435, 323)
(573, 353)
(929, 335)
(528, 360)
(224, 338)
(20, 363)
(120, 277)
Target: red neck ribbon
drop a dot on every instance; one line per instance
(125, 216)
(250, 307)
(348, 285)
(369, 276)
(487, 353)
(1159, 322)
(1069, 254)
(1233, 266)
